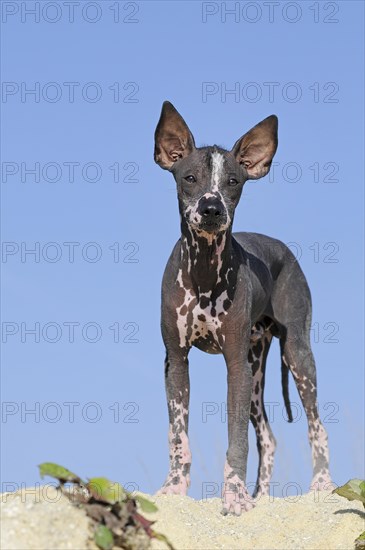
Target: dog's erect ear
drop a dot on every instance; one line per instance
(173, 139)
(256, 149)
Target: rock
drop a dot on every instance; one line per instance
(43, 519)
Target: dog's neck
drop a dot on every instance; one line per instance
(206, 258)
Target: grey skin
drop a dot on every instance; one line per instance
(231, 294)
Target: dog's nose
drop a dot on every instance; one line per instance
(211, 209)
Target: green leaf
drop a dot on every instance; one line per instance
(360, 542)
(103, 538)
(352, 490)
(104, 490)
(145, 504)
(59, 472)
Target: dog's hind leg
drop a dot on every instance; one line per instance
(292, 307)
(298, 357)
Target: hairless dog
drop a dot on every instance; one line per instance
(231, 293)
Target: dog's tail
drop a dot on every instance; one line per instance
(285, 388)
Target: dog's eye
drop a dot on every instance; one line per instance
(232, 181)
(190, 179)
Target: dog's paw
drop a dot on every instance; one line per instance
(322, 482)
(236, 499)
(176, 484)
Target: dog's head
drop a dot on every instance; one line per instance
(210, 179)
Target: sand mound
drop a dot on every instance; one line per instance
(46, 520)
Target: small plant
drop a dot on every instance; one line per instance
(113, 510)
(354, 490)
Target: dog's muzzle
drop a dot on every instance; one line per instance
(212, 214)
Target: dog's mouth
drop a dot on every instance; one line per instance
(210, 226)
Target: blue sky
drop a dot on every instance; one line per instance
(102, 218)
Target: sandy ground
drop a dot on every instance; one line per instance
(47, 521)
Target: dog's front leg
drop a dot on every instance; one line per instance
(239, 376)
(177, 392)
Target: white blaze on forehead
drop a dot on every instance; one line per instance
(217, 174)
(217, 169)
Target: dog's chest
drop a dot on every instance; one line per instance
(200, 320)
(206, 329)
